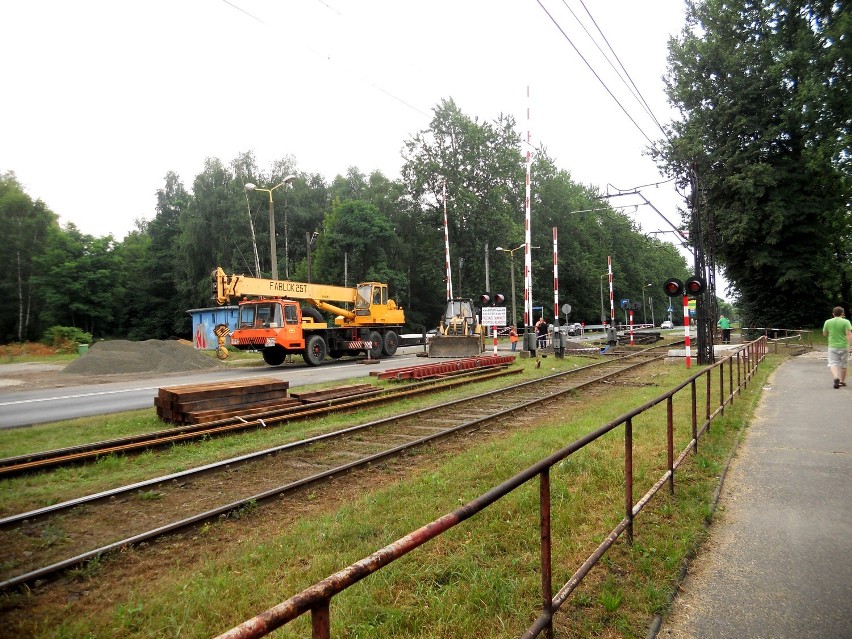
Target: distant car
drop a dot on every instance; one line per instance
(571, 328)
(667, 324)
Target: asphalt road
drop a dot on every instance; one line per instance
(26, 408)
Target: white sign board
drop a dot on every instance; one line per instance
(493, 315)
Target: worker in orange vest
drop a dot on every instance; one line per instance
(513, 337)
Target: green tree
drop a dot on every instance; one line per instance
(589, 232)
(357, 230)
(26, 224)
(214, 231)
(391, 203)
(484, 171)
(149, 261)
(77, 280)
(764, 93)
(306, 204)
(478, 168)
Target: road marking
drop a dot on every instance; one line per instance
(53, 399)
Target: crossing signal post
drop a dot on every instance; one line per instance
(692, 287)
(491, 299)
(493, 312)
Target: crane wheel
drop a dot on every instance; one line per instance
(390, 343)
(375, 351)
(315, 350)
(274, 356)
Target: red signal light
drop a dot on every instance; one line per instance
(694, 286)
(673, 287)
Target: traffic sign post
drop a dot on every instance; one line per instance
(494, 316)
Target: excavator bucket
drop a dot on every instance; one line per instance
(459, 334)
(455, 346)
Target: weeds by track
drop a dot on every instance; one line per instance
(94, 525)
(33, 462)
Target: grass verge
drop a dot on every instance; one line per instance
(479, 580)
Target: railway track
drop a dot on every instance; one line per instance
(95, 525)
(33, 462)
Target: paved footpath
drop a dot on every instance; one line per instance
(778, 563)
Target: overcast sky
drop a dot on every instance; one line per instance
(102, 98)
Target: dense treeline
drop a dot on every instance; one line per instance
(363, 227)
(765, 93)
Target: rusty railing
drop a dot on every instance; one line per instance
(316, 599)
(787, 337)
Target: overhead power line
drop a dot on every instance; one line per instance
(327, 57)
(638, 93)
(595, 73)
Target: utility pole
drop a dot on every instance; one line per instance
(487, 278)
(703, 305)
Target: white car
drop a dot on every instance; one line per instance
(571, 328)
(667, 324)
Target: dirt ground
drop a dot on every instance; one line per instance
(109, 361)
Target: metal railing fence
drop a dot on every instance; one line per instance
(802, 338)
(316, 599)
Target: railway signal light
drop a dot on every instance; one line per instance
(694, 286)
(491, 299)
(673, 287)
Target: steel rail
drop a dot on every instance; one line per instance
(53, 509)
(12, 466)
(21, 464)
(283, 490)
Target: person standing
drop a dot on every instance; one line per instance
(838, 329)
(513, 337)
(725, 324)
(541, 332)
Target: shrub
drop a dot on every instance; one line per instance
(65, 338)
(23, 349)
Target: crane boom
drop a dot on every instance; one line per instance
(226, 288)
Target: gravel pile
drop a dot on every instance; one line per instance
(151, 356)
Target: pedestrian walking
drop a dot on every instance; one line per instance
(513, 337)
(725, 324)
(838, 329)
(541, 332)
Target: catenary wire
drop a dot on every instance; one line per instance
(638, 93)
(631, 86)
(330, 60)
(595, 73)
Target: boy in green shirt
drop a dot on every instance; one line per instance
(725, 324)
(839, 332)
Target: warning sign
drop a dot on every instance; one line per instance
(494, 315)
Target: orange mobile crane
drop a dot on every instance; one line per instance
(272, 320)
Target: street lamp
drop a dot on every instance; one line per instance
(644, 311)
(511, 253)
(252, 187)
(651, 303)
(310, 239)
